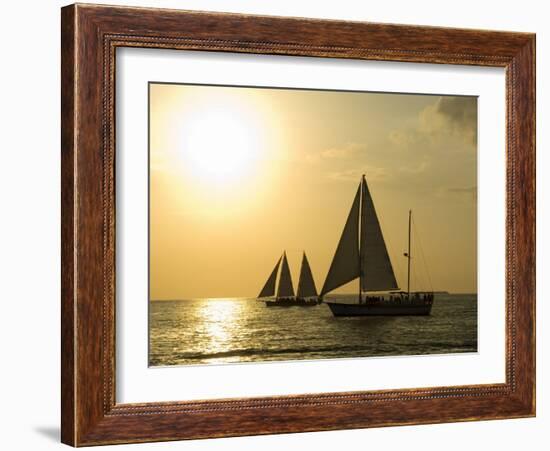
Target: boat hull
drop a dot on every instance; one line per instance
(382, 308)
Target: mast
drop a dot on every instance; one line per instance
(360, 228)
(409, 259)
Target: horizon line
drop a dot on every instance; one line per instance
(254, 297)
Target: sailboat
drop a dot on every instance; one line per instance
(362, 254)
(307, 293)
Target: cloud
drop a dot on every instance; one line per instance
(348, 150)
(354, 175)
(447, 128)
(462, 111)
(402, 138)
(451, 115)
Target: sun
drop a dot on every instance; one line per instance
(222, 143)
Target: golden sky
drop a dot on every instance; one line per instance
(237, 175)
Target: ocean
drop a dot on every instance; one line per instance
(234, 330)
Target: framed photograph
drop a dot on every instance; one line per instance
(279, 225)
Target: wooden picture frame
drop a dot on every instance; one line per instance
(90, 36)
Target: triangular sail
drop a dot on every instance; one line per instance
(285, 281)
(306, 284)
(345, 264)
(269, 287)
(376, 269)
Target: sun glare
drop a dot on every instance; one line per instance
(221, 144)
(218, 318)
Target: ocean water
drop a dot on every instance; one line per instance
(207, 331)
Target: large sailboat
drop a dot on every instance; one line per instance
(285, 297)
(361, 254)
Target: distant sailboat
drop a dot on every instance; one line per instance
(307, 293)
(361, 253)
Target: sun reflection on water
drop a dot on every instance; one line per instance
(218, 318)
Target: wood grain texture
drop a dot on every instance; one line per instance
(68, 399)
(90, 36)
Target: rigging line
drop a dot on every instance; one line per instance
(402, 275)
(415, 278)
(417, 275)
(423, 256)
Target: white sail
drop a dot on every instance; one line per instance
(345, 264)
(285, 289)
(269, 287)
(376, 269)
(306, 284)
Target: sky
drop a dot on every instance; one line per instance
(238, 175)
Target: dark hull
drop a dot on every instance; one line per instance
(382, 308)
(292, 302)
